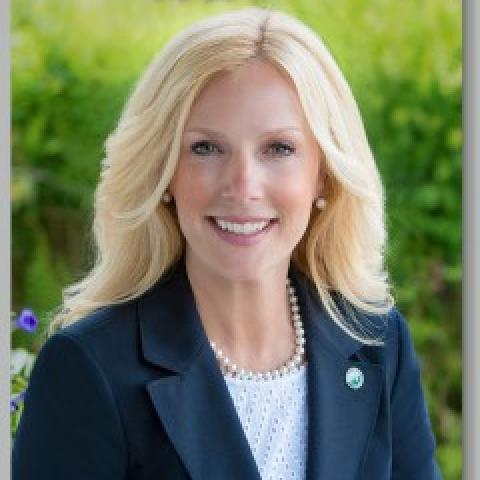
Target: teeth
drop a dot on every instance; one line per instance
(241, 228)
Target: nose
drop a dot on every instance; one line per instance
(243, 181)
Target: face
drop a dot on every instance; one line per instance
(247, 176)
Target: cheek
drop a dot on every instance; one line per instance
(297, 189)
(295, 197)
(192, 190)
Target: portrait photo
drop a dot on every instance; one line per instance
(236, 240)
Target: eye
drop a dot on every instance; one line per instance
(281, 149)
(204, 148)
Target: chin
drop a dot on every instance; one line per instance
(244, 270)
(238, 266)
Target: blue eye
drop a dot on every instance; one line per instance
(204, 148)
(282, 149)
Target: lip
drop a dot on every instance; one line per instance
(242, 219)
(242, 240)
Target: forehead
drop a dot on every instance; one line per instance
(253, 95)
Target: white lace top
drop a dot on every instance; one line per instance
(273, 414)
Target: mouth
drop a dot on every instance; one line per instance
(242, 230)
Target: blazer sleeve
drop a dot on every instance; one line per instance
(70, 427)
(413, 441)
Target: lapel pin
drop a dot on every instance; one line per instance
(354, 378)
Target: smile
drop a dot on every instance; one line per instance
(242, 232)
(241, 228)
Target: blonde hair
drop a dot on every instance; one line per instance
(138, 237)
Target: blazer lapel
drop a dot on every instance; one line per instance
(341, 419)
(192, 401)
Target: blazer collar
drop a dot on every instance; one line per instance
(194, 405)
(170, 327)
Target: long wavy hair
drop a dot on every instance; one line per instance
(137, 236)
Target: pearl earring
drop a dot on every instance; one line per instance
(320, 203)
(166, 198)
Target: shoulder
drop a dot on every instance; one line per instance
(108, 328)
(106, 333)
(102, 321)
(402, 362)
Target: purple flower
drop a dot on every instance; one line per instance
(15, 401)
(27, 320)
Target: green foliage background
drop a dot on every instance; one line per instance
(74, 64)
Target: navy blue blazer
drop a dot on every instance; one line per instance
(134, 391)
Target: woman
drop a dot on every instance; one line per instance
(237, 322)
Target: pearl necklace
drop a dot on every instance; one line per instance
(230, 369)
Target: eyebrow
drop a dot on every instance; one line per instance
(221, 135)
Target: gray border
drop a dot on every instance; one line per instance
(5, 237)
(471, 221)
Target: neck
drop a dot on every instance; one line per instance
(248, 319)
